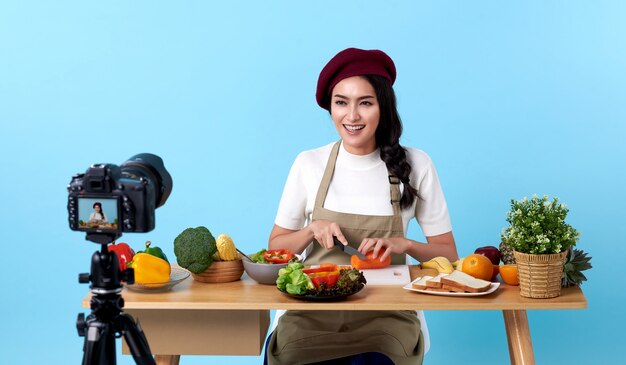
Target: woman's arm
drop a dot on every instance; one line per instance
(297, 240)
(440, 245)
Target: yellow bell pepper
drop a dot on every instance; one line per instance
(150, 269)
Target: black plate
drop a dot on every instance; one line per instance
(318, 298)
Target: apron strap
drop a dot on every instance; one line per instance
(394, 186)
(322, 191)
(328, 174)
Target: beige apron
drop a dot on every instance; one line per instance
(303, 337)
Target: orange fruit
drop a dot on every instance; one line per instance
(496, 270)
(478, 266)
(509, 274)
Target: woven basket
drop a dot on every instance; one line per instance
(221, 272)
(540, 275)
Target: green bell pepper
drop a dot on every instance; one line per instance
(154, 251)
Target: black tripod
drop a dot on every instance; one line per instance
(107, 321)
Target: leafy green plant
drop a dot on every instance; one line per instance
(537, 226)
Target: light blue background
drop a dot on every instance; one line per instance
(508, 98)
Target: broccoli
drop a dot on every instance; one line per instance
(194, 249)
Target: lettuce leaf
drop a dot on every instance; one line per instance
(258, 257)
(292, 280)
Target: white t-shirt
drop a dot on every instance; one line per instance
(95, 216)
(360, 185)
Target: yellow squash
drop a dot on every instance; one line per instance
(150, 269)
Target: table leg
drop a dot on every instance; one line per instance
(167, 359)
(518, 336)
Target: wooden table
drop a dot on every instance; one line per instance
(233, 318)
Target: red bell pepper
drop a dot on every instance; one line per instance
(329, 278)
(320, 268)
(370, 262)
(124, 254)
(281, 256)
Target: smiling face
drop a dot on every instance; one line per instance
(356, 114)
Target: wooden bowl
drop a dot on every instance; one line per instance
(221, 272)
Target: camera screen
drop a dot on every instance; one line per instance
(97, 213)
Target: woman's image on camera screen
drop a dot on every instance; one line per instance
(92, 213)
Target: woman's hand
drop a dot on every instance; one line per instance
(324, 230)
(386, 246)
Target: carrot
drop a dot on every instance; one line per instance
(370, 262)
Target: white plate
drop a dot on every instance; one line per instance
(491, 289)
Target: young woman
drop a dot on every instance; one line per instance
(98, 215)
(363, 190)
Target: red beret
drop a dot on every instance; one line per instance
(353, 62)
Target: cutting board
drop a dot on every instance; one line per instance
(392, 275)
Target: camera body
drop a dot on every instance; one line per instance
(109, 199)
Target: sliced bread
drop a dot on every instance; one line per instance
(452, 288)
(435, 282)
(421, 283)
(465, 282)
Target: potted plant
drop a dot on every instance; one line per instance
(540, 238)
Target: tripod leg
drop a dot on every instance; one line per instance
(136, 340)
(99, 347)
(91, 352)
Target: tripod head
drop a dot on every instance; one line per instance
(105, 268)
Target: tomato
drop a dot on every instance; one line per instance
(281, 256)
(330, 278)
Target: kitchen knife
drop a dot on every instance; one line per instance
(348, 249)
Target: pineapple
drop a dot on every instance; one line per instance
(576, 261)
(506, 253)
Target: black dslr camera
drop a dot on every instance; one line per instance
(104, 202)
(108, 199)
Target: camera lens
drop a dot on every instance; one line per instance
(150, 167)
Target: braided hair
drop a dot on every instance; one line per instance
(388, 137)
